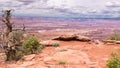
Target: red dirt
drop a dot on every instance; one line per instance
(96, 56)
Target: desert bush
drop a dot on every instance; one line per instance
(14, 54)
(31, 45)
(114, 62)
(55, 44)
(114, 37)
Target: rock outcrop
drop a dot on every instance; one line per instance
(112, 41)
(72, 38)
(3, 57)
(49, 43)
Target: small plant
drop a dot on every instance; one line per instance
(31, 45)
(62, 62)
(114, 62)
(114, 37)
(18, 55)
(55, 44)
(14, 54)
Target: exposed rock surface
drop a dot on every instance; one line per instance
(49, 43)
(29, 57)
(112, 41)
(72, 54)
(3, 57)
(72, 38)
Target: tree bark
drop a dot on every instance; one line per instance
(6, 19)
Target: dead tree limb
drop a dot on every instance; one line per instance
(6, 19)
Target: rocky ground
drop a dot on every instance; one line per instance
(72, 54)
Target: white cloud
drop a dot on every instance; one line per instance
(61, 6)
(113, 4)
(8, 4)
(2, 1)
(37, 5)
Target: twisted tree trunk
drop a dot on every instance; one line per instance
(6, 19)
(7, 47)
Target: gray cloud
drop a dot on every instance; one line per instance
(26, 1)
(8, 4)
(66, 7)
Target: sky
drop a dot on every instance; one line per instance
(63, 8)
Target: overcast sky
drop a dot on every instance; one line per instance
(62, 7)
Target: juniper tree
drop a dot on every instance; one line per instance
(11, 39)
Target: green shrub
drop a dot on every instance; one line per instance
(114, 62)
(114, 37)
(31, 45)
(14, 55)
(18, 55)
(55, 44)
